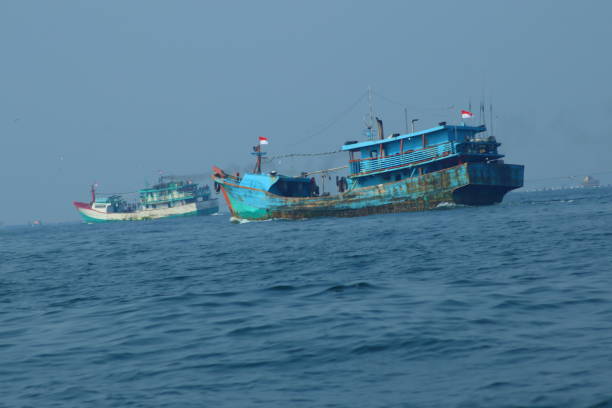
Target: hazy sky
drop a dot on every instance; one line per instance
(115, 91)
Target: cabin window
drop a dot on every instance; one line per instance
(99, 206)
(374, 153)
(291, 188)
(398, 177)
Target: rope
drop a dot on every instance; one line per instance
(325, 171)
(110, 194)
(284, 156)
(166, 178)
(177, 177)
(334, 120)
(404, 105)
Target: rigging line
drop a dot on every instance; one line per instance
(167, 177)
(334, 120)
(325, 171)
(283, 156)
(109, 194)
(183, 177)
(383, 97)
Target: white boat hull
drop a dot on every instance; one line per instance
(206, 207)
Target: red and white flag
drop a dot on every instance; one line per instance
(263, 140)
(466, 114)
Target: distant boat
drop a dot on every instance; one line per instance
(36, 223)
(415, 171)
(589, 181)
(168, 198)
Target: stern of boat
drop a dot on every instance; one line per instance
(489, 183)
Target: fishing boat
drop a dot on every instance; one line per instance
(421, 170)
(170, 197)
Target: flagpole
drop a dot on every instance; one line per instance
(258, 154)
(259, 158)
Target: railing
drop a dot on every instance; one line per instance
(376, 164)
(166, 199)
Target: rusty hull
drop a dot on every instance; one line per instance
(469, 183)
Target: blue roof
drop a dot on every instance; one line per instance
(266, 181)
(360, 145)
(260, 181)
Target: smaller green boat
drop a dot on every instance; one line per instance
(168, 198)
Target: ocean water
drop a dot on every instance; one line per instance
(501, 306)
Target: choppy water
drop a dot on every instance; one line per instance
(508, 305)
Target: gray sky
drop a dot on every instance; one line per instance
(114, 91)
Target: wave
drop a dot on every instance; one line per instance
(237, 220)
(446, 204)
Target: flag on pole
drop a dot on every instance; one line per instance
(263, 140)
(466, 114)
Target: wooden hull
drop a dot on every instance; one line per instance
(91, 215)
(468, 184)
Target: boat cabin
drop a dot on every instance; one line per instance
(111, 204)
(172, 193)
(407, 155)
(280, 185)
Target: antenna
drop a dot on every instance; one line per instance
(371, 106)
(483, 109)
(483, 115)
(491, 117)
(370, 122)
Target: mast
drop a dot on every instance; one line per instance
(370, 122)
(483, 110)
(93, 193)
(258, 153)
(483, 113)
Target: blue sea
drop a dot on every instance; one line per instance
(501, 306)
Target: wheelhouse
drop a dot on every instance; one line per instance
(172, 193)
(401, 156)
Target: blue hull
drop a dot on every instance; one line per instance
(468, 184)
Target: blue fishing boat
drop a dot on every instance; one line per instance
(416, 171)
